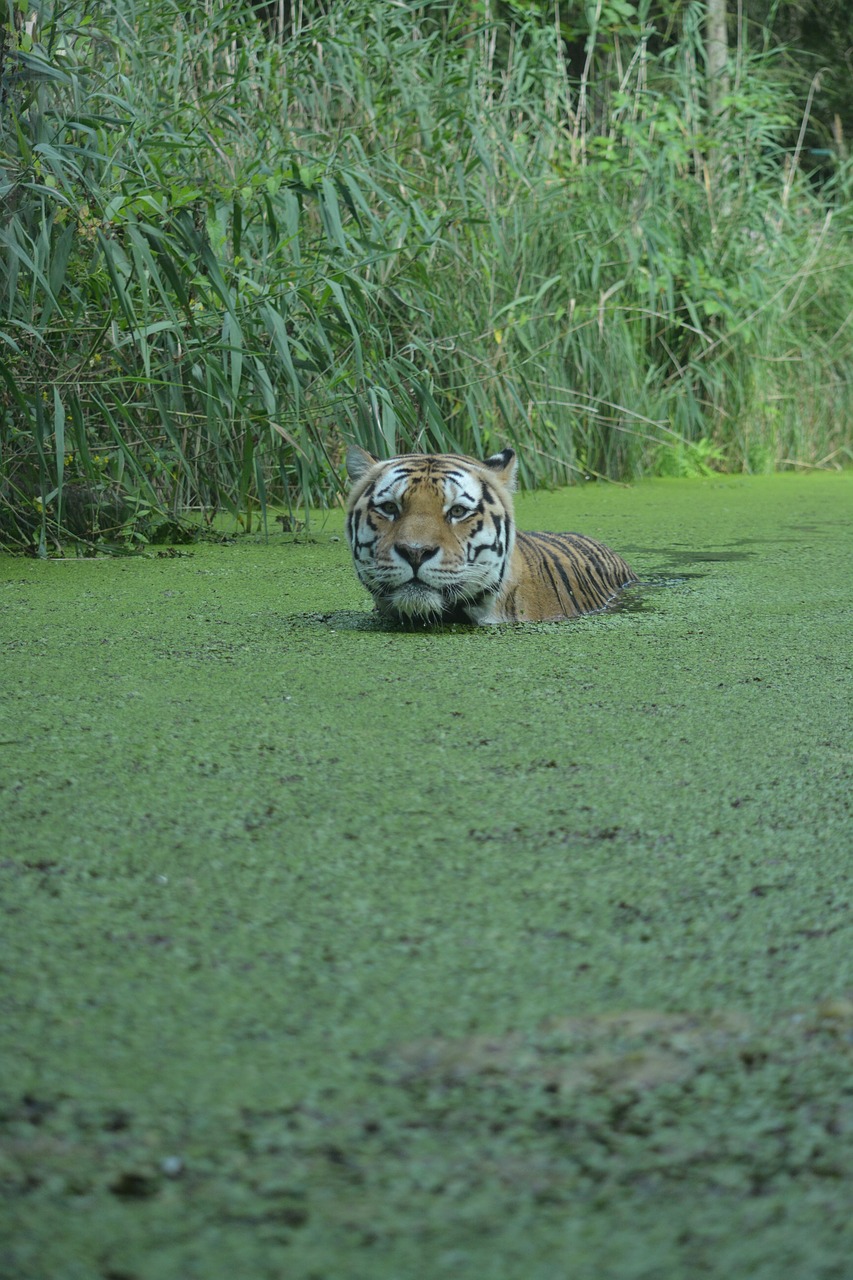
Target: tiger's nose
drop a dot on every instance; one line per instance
(414, 554)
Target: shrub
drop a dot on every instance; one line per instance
(224, 253)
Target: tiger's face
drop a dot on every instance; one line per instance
(431, 535)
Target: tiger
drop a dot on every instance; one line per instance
(434, 541)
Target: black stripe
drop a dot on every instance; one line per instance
(503, 527)
(546, 558)
(508, 606)
(598, 569)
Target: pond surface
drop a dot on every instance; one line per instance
(515, 952)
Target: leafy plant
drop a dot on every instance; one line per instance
(225, 250)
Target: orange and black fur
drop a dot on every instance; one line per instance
(433, 539)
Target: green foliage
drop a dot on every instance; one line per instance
(689, 459)
(224, 253)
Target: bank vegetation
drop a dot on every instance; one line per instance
(228, 246)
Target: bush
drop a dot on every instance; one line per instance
(225, 253)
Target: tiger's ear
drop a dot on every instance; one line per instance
(506, 466)
(359, 462)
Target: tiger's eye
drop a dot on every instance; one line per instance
(387, 509)
(458, 512)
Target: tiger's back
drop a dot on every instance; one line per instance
(561, 575)
(433, 539)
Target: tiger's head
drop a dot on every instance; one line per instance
(432, 535)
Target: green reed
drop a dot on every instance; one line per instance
(223, 255)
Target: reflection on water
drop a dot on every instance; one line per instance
(670, 556)
(338, 620)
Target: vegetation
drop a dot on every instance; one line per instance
(227, 248)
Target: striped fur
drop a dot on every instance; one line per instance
(433, 540)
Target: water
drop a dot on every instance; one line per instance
(326, 948)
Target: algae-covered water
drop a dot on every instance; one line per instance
(525, 953)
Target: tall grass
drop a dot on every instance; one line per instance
(223, 254)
